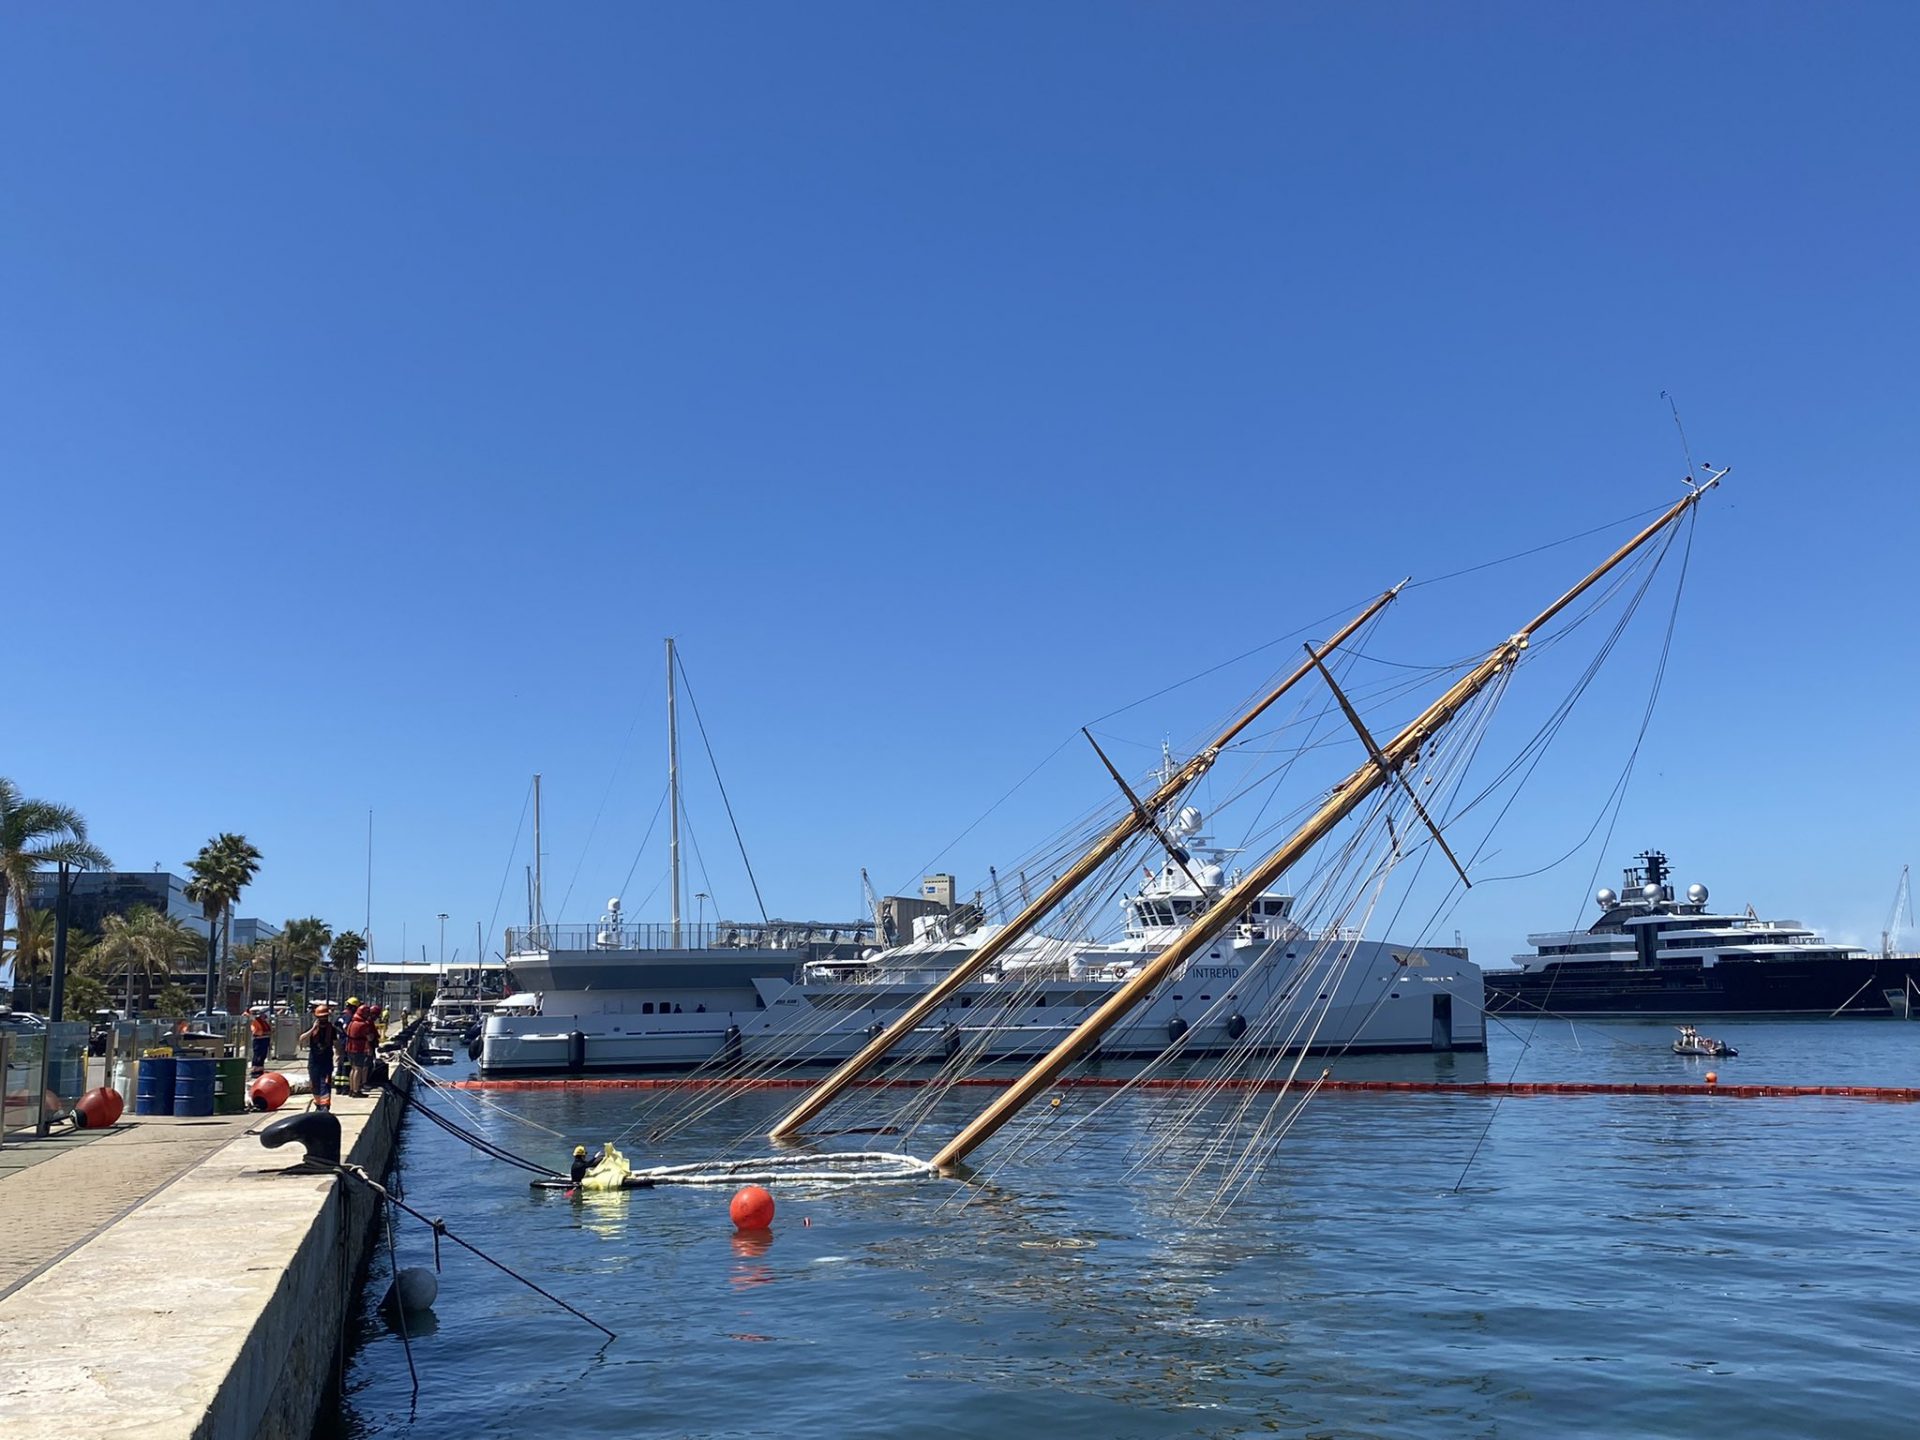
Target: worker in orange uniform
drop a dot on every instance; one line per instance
(262, 1031)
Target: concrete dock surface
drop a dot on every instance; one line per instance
(169, 1278)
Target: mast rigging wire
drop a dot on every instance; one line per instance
(1619, 799)
(507, 874)
(701, 726)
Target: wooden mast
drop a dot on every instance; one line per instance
(1036, 910)
(1340, 803)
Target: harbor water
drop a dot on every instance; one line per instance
(1406, 1265)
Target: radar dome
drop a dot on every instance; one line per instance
(1650, 890)
(1606, 897)
(614, 903)
(1188, 821)
(1697, 894)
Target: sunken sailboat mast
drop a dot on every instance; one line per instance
(1139, 817)
(1384, 764)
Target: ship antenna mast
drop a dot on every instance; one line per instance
(673, 794)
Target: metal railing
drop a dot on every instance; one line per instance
(722, 935)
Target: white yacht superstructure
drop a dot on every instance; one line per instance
(625, 997)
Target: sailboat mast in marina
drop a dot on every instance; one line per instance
(673, 794)
(1384, 763)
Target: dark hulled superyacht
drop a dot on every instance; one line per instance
(1651, 954)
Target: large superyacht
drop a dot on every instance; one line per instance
(1651, 953)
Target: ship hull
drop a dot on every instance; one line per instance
(1386, 1000)
(1841, 986)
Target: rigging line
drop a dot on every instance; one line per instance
(1646, 719)
(619, 759)
(1044, 762)
(1233, 660)
(1551, 544)
(507, 874)
(439, 1228)
(643, 842)
(707, 744)
(1685, 449)
(701, 861)
(1557, 719)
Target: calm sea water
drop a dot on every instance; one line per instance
(1608, 1266)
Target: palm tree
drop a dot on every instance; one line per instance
(224, 867)
(348, 946)
(32, 937)
(146, 943)
(33, 834)
(302, 944)
(84, 996)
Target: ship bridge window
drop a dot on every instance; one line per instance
(646, 1007)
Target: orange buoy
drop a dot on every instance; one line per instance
(1712, 1078)
(752, 1208)
(270, 1091)
(98, 1108)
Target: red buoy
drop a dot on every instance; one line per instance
(752, 1208)
(98, 1108)
(270, 1091)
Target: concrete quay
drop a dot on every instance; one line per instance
(170, 1279)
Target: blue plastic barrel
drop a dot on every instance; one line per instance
(154, 1094)
(192, 1086)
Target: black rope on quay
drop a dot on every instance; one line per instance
(439, 1227)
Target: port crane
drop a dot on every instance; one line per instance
(1902, 901)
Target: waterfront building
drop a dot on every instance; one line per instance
(92, 895)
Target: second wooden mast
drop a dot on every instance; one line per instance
(996, 945)
(1343, 800)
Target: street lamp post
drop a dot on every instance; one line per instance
(701, 896)
(443, 942)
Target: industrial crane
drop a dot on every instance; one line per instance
(1902, 900)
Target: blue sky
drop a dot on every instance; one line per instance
(379, 385)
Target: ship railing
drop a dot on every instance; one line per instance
(713, 935)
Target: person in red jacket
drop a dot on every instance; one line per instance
(359, 1050)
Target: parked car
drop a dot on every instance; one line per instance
(23, 1021)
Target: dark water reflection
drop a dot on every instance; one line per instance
(1609, 1266)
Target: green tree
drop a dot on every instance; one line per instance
(35, 834)
(303, 944)
(347, 948)
(32, 936)
(145, 943)
(84, 995)
(224, 867)
(174, 1001)
(33, 954)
